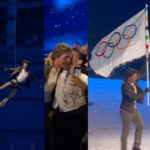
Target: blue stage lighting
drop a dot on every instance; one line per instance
(62, 4)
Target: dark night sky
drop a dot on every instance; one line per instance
(65, 21)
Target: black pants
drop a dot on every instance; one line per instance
(70, 128)
(49, 128)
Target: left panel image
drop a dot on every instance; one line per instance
(66, 74)
(21, 75)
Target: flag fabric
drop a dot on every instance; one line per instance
(124, 44)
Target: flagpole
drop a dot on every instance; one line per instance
(147, 48)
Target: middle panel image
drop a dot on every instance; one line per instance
(66, 75)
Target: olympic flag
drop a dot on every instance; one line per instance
(122, 45)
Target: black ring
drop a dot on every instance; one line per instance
(110, 43)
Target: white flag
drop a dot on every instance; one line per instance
(122, 45)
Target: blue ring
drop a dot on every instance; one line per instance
(128, 27)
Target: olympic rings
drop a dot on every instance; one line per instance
(112, 45)
(103, 52)
(111, 52)
(109, 43)
(121, 48)
(123, 33)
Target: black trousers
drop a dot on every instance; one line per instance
(70, 128)
(49, 127)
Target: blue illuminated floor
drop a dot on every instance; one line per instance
(104, 117)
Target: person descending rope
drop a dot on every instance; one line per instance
(21, 76)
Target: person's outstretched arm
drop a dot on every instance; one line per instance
(35, 79)
(9, 69)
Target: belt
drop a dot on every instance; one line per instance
(15, 83)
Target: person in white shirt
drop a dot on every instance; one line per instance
(21, 76)
(53, 64)
(71, 104)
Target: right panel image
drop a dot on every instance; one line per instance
(118, 75)
(66, 74)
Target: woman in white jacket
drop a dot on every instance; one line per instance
(71, 104)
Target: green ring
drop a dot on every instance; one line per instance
(107, 57)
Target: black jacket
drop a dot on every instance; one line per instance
(128, 94)
(16, 72)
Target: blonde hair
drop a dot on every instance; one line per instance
(59, 50)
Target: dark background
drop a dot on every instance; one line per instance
(22, 37)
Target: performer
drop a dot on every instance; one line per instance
(132, 93)
(21, 76)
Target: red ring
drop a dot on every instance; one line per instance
(103, 42)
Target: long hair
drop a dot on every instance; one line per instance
(59, 50)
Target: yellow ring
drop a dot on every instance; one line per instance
(124, 47)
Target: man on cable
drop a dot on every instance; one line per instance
(21, 76)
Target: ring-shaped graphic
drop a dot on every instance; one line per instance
(128, 26)
(107, 57)
(103, 52)
(109, 41)
(113, 45)
(124, 47)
